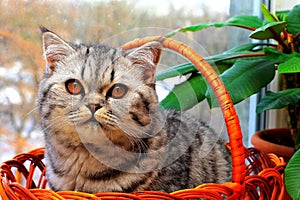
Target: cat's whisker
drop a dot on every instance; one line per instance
(138, 141)
(31, 111)
(141, 144)
(130, 134)
(130, 139)
(58, 121)
(131, 130)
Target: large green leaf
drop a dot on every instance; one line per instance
(293, 20)
(290, 66)
(186, 95)
(242, 51)
(275, 55)
(177, 70)
(246, 47)
(292, 176)
(278, 100)
(242, 21)
(245, 21)
(244, 78)
(269, 30)
(289, 63)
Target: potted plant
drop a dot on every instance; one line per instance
(287, 56)
(246, 69)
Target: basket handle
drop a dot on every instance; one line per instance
(226, 104)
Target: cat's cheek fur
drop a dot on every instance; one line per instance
(78, 115)
(65, 136)
(105, 118)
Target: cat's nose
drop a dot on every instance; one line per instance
(94, 107)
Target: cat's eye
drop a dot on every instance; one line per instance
(117, 91)
(74, 87)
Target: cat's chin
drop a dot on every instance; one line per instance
(93, 124)
(91, 132)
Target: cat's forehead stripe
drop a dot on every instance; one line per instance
(85, 63)
(98, 67)
(112, 74)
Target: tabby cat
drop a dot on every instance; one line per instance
(105, 131)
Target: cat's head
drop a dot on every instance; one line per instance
(88, 89)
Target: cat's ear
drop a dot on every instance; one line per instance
(54, 47)
(147, 57)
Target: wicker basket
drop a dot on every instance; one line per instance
(23, 177)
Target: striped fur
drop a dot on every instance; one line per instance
(96, 141)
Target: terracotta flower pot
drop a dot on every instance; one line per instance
(277, 141)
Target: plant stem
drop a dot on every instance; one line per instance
(297, 126)
(246, 56)
(279, 40)
(297, 36)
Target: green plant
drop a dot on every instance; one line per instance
(292, 176)
(247, 68)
